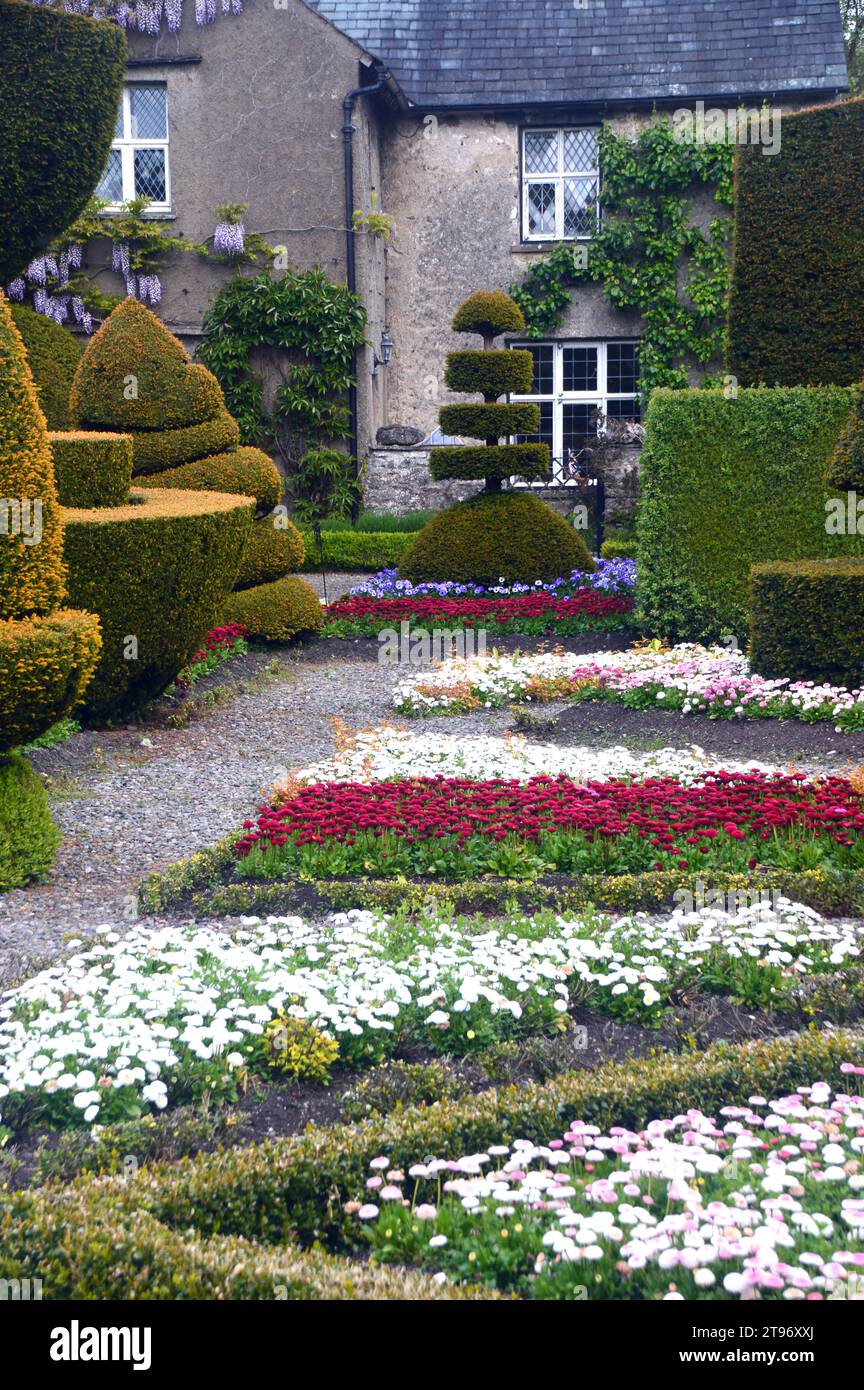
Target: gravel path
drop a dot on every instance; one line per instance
(133, 800)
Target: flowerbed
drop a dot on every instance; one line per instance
(585, 610)
(459, 828)
(688, 678)
(610, 577)
(765, 1200)
(378, 755)
(170, 1014)
(220, 646)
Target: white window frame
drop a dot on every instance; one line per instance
(559, 397)
(127, 147)
(557, 178)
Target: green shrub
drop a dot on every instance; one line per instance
(244, 471)
(727, 484)
(156, 572)
(46, 664)
(805, 621)
(509, 535)
(398, 1085)
(498, 461)
(324, 483)
(90, 469)
(489, 421)
(28, 837)
(619, 549)
(275, 612)
(796, 307)
(382, 522)
(271, 552)
(494, 374)
(60, 86)
(53, 354)
(355, 550)
(846, 469)
(157, 450)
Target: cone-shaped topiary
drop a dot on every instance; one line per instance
(509, 535)
(135, 376)
(47, 654)
(846, 466)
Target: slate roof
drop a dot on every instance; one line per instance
(459, 53)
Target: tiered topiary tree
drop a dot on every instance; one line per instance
(47, 653)
(135, 376)
(497, 535)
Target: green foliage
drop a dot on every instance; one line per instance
(28, 837)
(246, 471)
(490, 461)
(397, 1085)
(492, 373)
(380, 521)
(354, 550)
(275, 612)
(619, 549)
(324, 484)
(489, 313)
(509, 535)
(155, 450)
(53, 355)
(728, 483)
(805, 621)
(796, 306)
(91, 469)
(846, 469)
(646, 234)
(295, 1046)
(271, 552)
(59, 88)
(308, 329)
(489, 421)
(156, 571)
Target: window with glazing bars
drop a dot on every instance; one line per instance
(138, 159)
(560, 184)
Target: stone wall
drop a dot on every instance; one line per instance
(397, 481)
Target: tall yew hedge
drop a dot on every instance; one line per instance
(796, 309)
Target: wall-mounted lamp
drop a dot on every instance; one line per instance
(386, 350)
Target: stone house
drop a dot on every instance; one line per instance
(472, 124)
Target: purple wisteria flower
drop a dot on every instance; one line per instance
(229, 238)
(149, 289)
(120, 258)
(16, 288)
(36, 272)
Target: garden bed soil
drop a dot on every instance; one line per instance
(597, 724)
(280, 1109)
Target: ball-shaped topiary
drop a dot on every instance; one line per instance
(489, 312)
(276, 612)
(136, 376)
(509, 536)
(53, 354)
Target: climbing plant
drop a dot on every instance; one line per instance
(649, 254)
(303, 330)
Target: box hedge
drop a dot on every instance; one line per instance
(156, 572)
(354, 550)
(796, 306)
(805, 621)
(53, 354)
(60, 83)
(90, 469)
(726, 484)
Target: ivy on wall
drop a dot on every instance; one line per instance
(649, 255)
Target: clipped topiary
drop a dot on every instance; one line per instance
(846, 467)
(137, 377)
(508, 535)
(47, 654)
(60, 82)
(90, 469)
(500, 535)
(28, 836)
(53, 354)
(277, 612)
